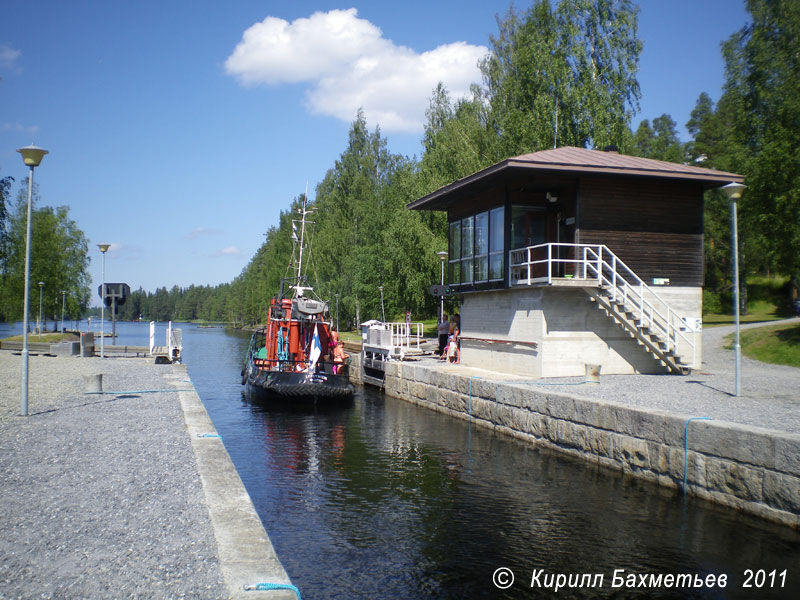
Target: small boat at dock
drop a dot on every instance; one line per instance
(291, 357)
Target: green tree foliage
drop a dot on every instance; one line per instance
(457, 141)
(5, 188)
(753, 130)
(763, 68)
(564, 76)
(59, 258)
(660, 141)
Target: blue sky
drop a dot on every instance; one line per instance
(178, 130)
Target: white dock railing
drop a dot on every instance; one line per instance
(597, 264)
(398, 339)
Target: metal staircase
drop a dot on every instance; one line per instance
(616, 290)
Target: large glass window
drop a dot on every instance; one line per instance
(496, 236)
(482, 246)
(476, 248)
(467, 248)
(467, 237)
(527, 227)
(455, 252)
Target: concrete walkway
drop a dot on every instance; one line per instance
(121, 495)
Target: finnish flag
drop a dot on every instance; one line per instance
(316, 351)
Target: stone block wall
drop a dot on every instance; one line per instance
(750, 469)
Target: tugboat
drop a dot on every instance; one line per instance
(289, 358)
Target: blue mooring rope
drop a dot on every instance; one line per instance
(119, 393)
(265, 587)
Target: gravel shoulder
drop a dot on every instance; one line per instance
(100, 495)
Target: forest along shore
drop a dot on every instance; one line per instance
(102, 493)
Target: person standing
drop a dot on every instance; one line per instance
(443, 330)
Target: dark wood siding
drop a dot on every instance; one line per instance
(478, 203)
(655, 227)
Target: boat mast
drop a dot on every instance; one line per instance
(303, 212)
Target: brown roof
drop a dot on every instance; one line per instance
(580, 160)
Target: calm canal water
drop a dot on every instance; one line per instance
(382, 499)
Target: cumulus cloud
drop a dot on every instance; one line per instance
(348, 65)
(8, 56)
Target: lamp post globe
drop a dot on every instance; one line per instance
(32, 157)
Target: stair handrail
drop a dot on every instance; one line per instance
(648, 312)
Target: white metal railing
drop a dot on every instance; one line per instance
(595, 262)
(174, 343)
(398, 339)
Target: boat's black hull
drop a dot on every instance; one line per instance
(300, 387)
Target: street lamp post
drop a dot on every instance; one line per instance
(442, 257)
(734, 192)
(63, 304)
(39, 318)
(383, 313)
(337, 312)
(32, 157)
(103, 248)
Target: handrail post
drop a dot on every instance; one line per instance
(583, 263)
(600, 266)
(549, 264)
(528, 263)
(614, 275)
(641, 301)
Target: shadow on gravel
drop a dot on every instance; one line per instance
(711, 387)
(85, 404)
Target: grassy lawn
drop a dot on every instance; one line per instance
(775, 344)
(757, 312)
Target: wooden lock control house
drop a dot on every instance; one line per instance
(569, 257)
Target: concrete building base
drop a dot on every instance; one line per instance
(555, 331)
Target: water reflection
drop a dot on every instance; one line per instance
(386, 500)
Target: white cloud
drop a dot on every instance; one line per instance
(228, 251)
(201, 232)
(8, 56)
(29, 129)
(350, 65)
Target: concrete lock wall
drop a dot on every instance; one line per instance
(562, 330)
(751, 469)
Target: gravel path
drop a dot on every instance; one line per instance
(770, 393)
(100, 494)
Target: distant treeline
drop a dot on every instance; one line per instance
(178, 304)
